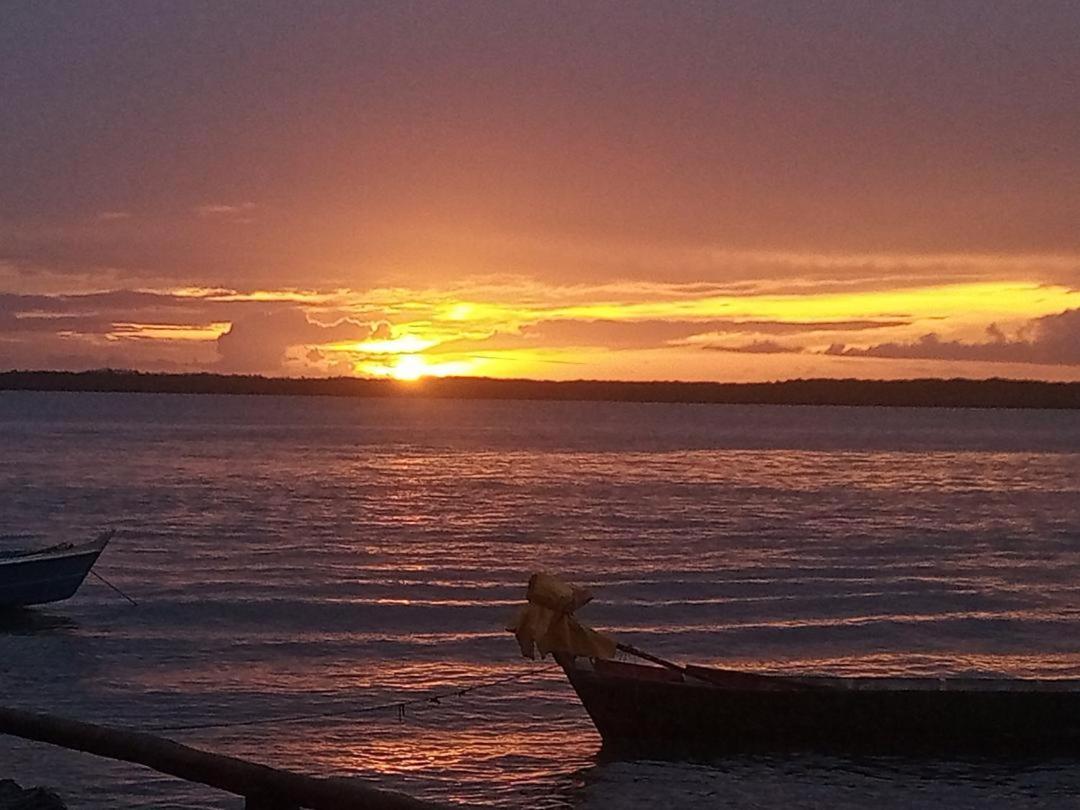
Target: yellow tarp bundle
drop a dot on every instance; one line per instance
(547, 624)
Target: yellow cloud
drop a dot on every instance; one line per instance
(288, 296)
(976, 300)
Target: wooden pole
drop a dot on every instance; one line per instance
(263, 787)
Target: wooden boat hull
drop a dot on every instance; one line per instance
(52, 575)
(649, 711)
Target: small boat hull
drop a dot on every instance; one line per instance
(641, 710)
(50, 575)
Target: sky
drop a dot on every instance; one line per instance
(636, 190)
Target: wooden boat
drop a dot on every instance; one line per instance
(38, 576)
(664, 709)
(671, 710)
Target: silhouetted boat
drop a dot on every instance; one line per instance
(38, 576)
(666, 709)
(671, 710)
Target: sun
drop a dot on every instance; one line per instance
(412, 367)
(409, 367)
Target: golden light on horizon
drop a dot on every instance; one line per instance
(406, 344)
(413, 367)
(410, 367)
(616, 330)
(969, 301)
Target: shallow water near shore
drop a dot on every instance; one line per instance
(300, 556)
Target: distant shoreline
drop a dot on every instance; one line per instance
(918, 393)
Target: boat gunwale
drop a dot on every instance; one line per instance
(57, 552)
(777, 682)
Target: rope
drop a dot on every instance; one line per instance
(398, 705)
(99, 576)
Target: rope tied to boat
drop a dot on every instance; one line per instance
(399, 706)
(113, 587)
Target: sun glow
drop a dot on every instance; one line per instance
(406, 344)
(412, 367)
(409, 367)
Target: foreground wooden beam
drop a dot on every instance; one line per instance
(263, 787)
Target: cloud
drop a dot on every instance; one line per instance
(245, 333)
(1049, 340)
(381, 330)
(615, 334)
(119, 301)
(610, 334)
(518, 326)
(758, 347)
(13, 324)
(241, 212)
(259, 342)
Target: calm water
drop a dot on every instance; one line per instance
(296, 556)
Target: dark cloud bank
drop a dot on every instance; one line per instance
(1050, 340)
(258, 341)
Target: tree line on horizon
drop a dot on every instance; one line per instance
(956, 393)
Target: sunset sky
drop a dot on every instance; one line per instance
(636, 190)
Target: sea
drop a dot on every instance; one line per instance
(311, 573)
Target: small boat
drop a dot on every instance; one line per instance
(38, 576)
(653, 710)
(664, 709)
